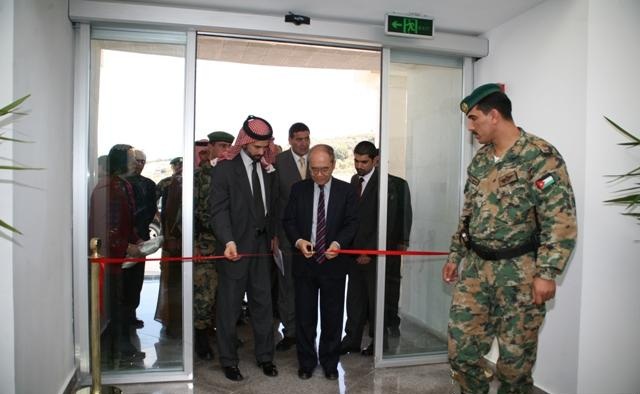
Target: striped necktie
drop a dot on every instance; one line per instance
(321, 229)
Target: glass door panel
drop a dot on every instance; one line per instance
(135, 153)
(424, 149)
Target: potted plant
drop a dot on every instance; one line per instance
(631, 195)
(6, 114)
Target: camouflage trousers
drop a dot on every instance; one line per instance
(205, 284)
(493, 299)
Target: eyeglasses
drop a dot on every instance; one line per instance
(321, 170)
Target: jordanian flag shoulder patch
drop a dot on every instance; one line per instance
(545, 182)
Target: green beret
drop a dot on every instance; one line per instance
(478, 94)
(220, 136)
(177, 160)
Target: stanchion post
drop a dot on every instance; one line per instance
(96, 370)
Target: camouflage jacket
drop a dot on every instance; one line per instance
(203, 231)
(528, 190)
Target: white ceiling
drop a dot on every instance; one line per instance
(454, 16)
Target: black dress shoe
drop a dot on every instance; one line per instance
(304, 375)
(285, 344)
(232, 373)
(269, 368)
(331, 375)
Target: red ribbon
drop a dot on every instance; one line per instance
(113, 260)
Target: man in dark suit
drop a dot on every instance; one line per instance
(242, 211)
(320, 218)
(291, 167)
(144, 192)
(361, 294)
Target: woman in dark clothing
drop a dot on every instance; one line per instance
(111, 218)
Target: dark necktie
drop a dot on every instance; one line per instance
(321, 229)
(360, 182)
(257, 197)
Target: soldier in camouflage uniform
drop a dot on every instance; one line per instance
(205, 277)
(516, 233)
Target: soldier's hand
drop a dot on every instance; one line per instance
(275, 244)
(543, 290)
(363, 259)
(450, 272)
(332, 251)
(305, 247)
(231, 252)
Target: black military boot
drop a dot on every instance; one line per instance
(202, 347)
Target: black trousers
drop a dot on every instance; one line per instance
(257, 285)
(393, 279)
(132, 278)
(361, 298)
(330, 291)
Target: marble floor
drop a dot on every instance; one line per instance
(356, 372)
(356, 375)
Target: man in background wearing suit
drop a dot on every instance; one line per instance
(291, 167)
(242, 211)
(361, 294)
(320, 218)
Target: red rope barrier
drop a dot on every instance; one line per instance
(113, 260)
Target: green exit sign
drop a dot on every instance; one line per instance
(409, 26)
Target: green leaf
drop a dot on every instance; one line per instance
(623, 131)
(9, 227)
(19, 168)
(9, 108)
(14, 140)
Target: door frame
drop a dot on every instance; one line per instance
(80, 179)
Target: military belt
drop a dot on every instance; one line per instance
(505, 253)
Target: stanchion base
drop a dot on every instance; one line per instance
(103, 390)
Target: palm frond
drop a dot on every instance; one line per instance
(9, 227)
(11, 107)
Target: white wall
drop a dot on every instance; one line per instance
(541, 56)
(565, 64)
(7, 371)
(42, 277)
(610, 317)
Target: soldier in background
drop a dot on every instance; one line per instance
(169, 307)
(205, 277)
(516, 233)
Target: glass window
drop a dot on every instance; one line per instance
(135, 158)
(425, 151)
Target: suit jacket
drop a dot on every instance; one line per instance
(399, 212)
(287, 174)
(233, 213)
(367, 235)
(342, 224)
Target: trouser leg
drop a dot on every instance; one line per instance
(470, 333)
(518, 321)
(205, 282)
(260, 307)
(307, 321)
(230, 294)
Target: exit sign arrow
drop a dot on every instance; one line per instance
(409, 25)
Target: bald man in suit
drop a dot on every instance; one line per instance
(320, 218)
